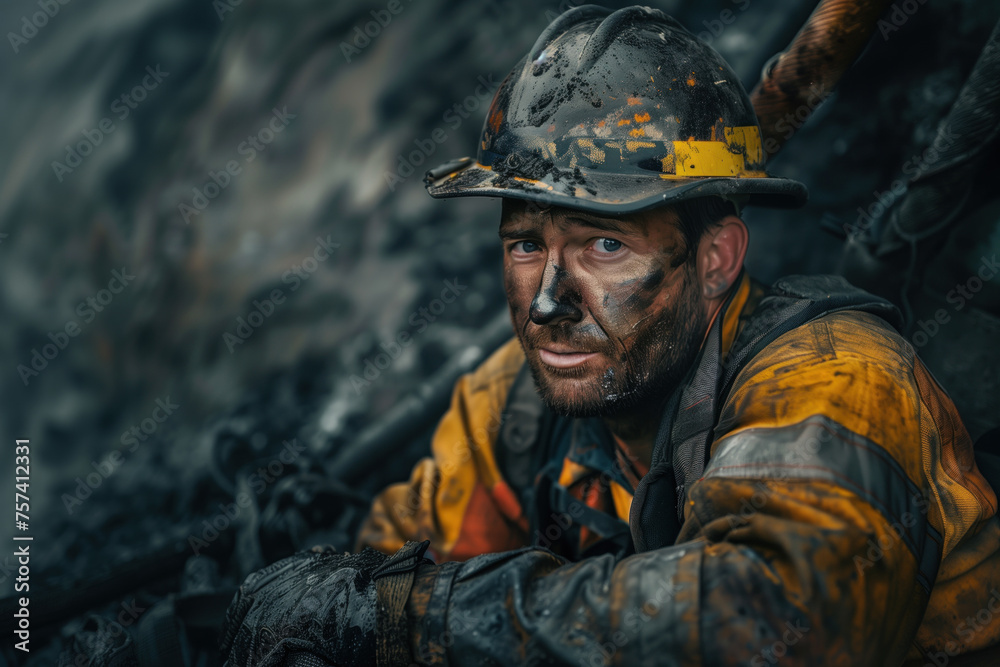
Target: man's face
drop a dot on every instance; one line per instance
(607, 309)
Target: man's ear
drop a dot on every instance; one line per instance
(720, 256)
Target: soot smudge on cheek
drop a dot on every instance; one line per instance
(648, 289)
(652, 280)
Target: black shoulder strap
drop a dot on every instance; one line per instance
(790, 303)
(688, 425)
(524, 427)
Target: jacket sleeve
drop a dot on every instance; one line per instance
(457, 498)
(815, 533)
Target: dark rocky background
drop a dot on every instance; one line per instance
(225, 68)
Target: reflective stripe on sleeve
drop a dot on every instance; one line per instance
(820, 448)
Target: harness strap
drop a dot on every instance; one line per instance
(393, 581)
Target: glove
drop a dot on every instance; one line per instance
(323, 609)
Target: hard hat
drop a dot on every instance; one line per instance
(617, 112)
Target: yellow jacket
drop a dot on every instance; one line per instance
(840, 515)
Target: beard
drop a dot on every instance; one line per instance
(640, 373)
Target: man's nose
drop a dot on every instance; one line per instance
(557, 299)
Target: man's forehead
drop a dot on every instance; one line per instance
(531, 214)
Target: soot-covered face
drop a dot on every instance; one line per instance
(607, 309)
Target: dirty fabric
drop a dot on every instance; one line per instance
(840, 514)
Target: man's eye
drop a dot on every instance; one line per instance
(525, 246)
(607, 246)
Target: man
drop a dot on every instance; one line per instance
(670, 464)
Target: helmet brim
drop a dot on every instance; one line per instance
(613, 194)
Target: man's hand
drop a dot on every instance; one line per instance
(318, 608)
(319, 604)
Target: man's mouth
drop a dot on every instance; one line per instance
(563, 357)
